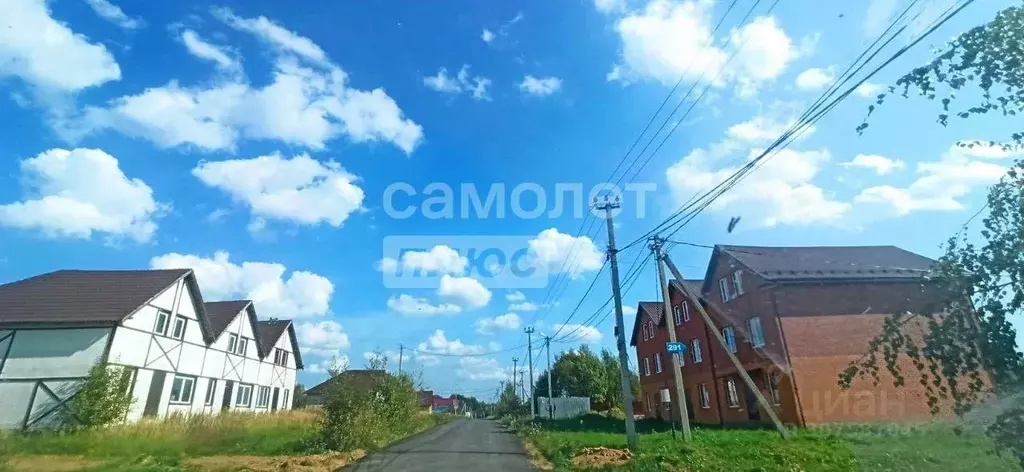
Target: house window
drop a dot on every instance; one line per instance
(723, 287)
(647, 395)
(244, 395)
(657, 363)
(644, 329)
(678, 315)
(211, 392)
(182, 388)
(755, 332)
(243, 346)
(163, 317)
(705, 398)
(232, 342)
(281, 357)
(698, 357)
(647, 366)
(180, 322)
(773, 386)
(686, 311)
(262, 397)
(737, 283)
(732, 397)
(284, 401)
(730, 338)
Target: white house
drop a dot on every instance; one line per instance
(184, 355)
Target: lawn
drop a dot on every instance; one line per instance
(230, 441)
(923, 448)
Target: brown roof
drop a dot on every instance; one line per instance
(82, 296)
(221, 314)
(270, 331)
(831, 262)
(365, 378)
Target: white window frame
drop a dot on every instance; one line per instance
(732, 396)
(643, 328)
(695, 352)
(723, 287)
(174, 329)
(166, 315)
(686, 311)
(243, 346)
(677, 313)
(705, 397)
(755, 331)
(232, 342)
(247, 388)
(184, 395)
(281, 357)
(211, 392)
(657, 363)
(262, 396)
(737, 283)
(647, 366)
(729, 333)
(772, 379)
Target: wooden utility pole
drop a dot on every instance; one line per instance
(620, 341)
(551, 409)
(529, 349)
(670, 322)
(751, 387)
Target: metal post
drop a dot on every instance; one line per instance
(551, 411)
(677, 372)
(529, 347)
(695, 301)
(627, 393)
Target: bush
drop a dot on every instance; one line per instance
(361, 416)
(104, 398)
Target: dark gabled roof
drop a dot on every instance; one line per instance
(83, 296)
(365, 378)
(787, 264)
(268, 332)
(222, 313)
(656, 310)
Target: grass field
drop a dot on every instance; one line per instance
(933, 447)
(232, 441)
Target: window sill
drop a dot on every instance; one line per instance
(172, 402)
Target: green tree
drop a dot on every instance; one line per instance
(367, 411)
(968, 352)
(509, 402)
(104, 397)
(581, 373)
(299, 398)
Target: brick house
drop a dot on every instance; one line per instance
(795, 318)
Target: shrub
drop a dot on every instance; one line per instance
(362, 414)
(104, 398)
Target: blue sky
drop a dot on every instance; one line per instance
(254, 142)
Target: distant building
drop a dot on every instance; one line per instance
(361, 378)
(795, 318)
(425, 400)
(444, 405)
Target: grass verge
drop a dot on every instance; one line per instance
(569, 444)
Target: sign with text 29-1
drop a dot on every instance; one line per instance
(675, 348)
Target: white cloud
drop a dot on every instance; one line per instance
(80, 192)
(300, 295)
(880, 164)
(340, 362)
(975, 149)
(878, 15)
(308, 102)
(321, 338)
(629, 310)
(466, 291)
(301, 189)
(438, 343)
(610, 6)
(412, 306)
(670, 39)
(439, 259)
(204, 50)
(941, 183)
(542, 86)
(524, 306)
(765, 127)
(462, 82)
(516, 296)
(579, 333)
(815, 78)
(487, 35)
(564, 252)
(114, 14)
(482, 368)
(869, 90)
(508, 321)
(47, 53)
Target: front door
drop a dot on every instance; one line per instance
(273, 404)
(228, 389)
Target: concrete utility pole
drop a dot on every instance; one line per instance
(670, 322)
(401, 350)
(695, 301)
(515, 363)
(627, 393)
(522, 385)
(529, 349)
(547, 345)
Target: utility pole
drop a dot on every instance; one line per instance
(620, 341)
(751, 387)
(401, 351)
(551, 410)
(521, 384)
(515, 362)
(677, 372)
(529, 349)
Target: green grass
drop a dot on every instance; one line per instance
(926, 448)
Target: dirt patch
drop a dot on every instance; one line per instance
(311, 463)
(536, 458)
(601, 457)
(50, 463)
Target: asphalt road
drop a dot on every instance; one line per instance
(462, 445)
